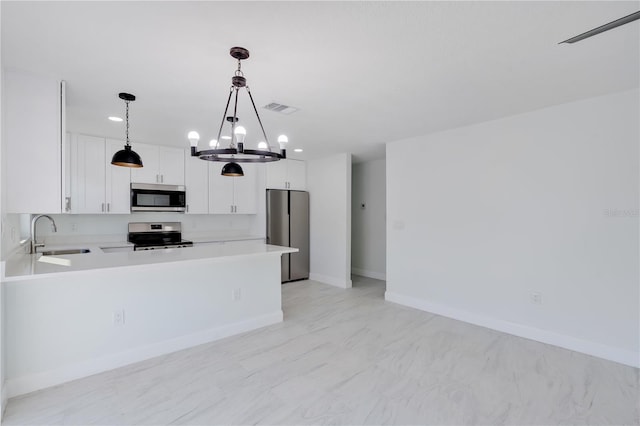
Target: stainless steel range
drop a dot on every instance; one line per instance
(156, 235)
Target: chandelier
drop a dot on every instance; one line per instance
(236, 152)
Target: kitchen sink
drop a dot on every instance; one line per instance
(63, 252)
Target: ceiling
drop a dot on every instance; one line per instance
(361, 73)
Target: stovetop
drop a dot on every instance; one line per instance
(156, 235)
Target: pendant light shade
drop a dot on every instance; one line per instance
(232, 169)
(126, 157)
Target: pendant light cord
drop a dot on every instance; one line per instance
(127, 121)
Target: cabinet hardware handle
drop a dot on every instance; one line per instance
(231, 209)
(161, 178)
(187, 208)
(67, 204)
(103, 207)
(108, 207)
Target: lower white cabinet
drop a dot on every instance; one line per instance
(233, 195)
(96, 185)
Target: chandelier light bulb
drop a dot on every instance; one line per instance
(193, 137)
(213, 143)
(283, 140)
(263, 145)
(240, 133)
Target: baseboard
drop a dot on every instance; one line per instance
(610, 353)
(369, 274)
(334, 281)
(21, 385)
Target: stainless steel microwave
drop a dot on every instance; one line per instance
(148, 197)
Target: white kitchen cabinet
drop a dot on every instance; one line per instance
(97, 186)
(33, 127)
(171, 162)
(161, 164)
(118, 181)
(233, 195)
(287, 174)
(196, 180)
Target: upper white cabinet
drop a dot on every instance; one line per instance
(96, 185)
(287, 174)
(117, 190)
(161, 164)
(233, 195)
(196, 180)
(33, 130)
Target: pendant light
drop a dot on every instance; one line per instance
(236, 152)
(126, 157)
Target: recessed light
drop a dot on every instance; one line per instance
(297, 150)
(116, 119)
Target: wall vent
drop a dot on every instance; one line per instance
(282, 109)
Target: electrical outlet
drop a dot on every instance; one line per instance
(118, 318)
(536, 298)
(236, 294)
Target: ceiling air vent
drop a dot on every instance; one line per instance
(282, 109)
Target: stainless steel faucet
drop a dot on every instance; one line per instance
(34, 245)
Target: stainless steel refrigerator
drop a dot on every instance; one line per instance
(288, 225)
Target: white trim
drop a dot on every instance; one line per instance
(334, 281)
(3, 400)
(21, 385)
(369, 274)
(599, 350)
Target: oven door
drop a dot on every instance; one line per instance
(147, 197)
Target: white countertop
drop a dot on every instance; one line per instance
(23, 266)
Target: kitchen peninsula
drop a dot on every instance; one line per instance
(99, 311)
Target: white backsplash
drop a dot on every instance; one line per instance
(72, 228)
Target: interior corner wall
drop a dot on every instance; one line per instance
(538, 206)
(329, 186)
(368, 220)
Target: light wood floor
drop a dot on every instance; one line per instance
(349, 357)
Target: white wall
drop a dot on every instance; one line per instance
(329, 186)
(368, 224)
(480, 217)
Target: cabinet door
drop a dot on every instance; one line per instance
(32, 137)
(171, 165)
(117, 181)
(277, 174)
(220, 191)
(89, 180)
(297, 174)
(149, 172)
(245, 190)
(196, 179)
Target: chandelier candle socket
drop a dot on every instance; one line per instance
(236, 152)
